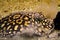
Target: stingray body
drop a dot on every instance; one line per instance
(25, 23)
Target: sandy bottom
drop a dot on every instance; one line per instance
(53, 36)
(48, 7)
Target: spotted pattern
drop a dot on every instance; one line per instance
(20, 21)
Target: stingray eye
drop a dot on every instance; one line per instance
(16, 16)
(19, 21)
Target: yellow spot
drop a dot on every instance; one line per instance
(13, 23)
(5, 21)
(16, 27)
(50, 26)
(9, 16)
(21, 25)
(26, 18)
(33, 20)
(4, 28)
(45, 20)
(30, 16)
(9, 19)
(32, 23)
(16, 16)
(39, 29)
(36, 22)
(42, 26)
(21, 29)
(8, 27)
(26, 23)
(43, 23)
(2, 25)
(10, 32)
(46, 29)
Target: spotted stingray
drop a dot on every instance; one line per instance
(25, 23)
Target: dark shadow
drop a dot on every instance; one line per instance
(57, 21)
